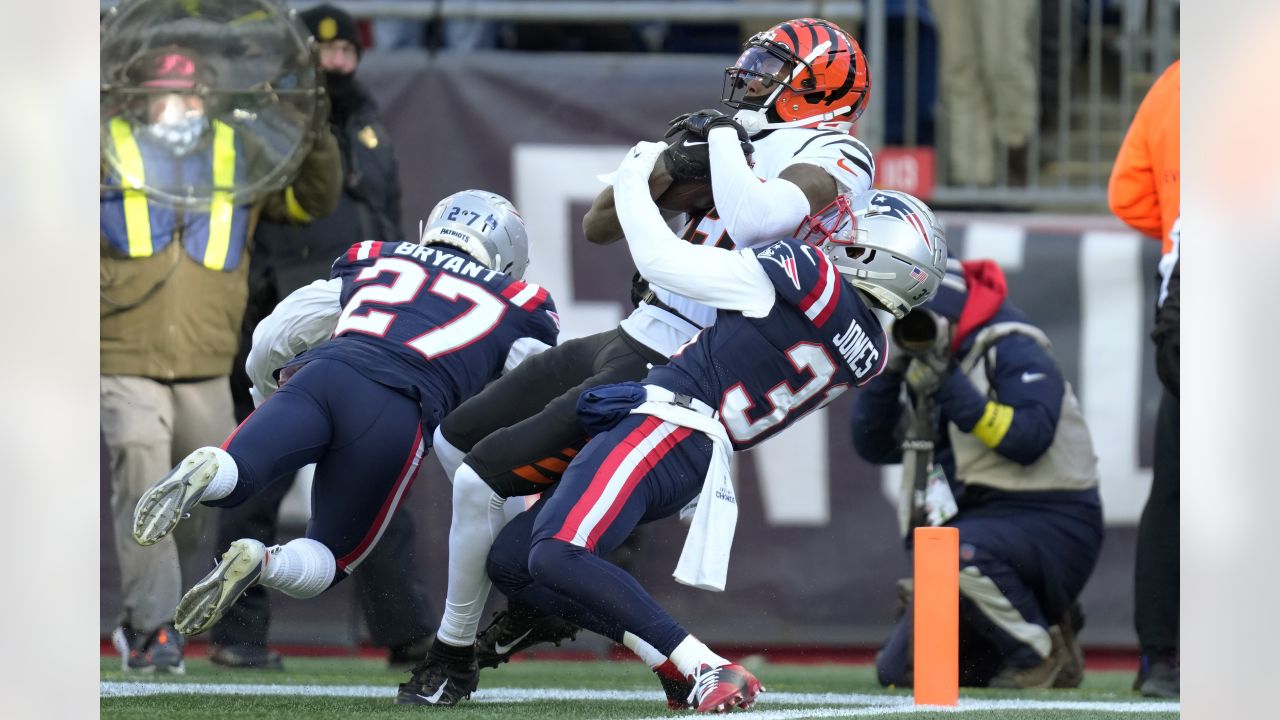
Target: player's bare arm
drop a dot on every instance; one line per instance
(601, 225)
(816, 184)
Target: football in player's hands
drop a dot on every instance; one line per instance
(687, 196)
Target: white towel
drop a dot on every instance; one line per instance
(704, 561)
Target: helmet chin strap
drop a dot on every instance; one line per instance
(756, 121)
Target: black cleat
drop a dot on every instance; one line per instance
(165, 647)
(132, 646)
(440, 680)
(517, 628)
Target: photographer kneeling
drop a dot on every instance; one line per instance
(1001, 430)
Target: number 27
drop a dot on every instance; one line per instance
(409, 277)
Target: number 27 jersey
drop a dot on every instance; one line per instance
(433, 322)
(764, 373)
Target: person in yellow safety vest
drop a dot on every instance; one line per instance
(173, 290)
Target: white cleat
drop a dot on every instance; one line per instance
(203, 605)
(168, 501)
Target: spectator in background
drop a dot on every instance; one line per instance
(391, 591)
(1018, 460)
(173, 290)
(988, 87)
(1145, 192)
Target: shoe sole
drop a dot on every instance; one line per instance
(204, 604)
(160, 508)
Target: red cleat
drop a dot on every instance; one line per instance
(721, 689)
(675, 685)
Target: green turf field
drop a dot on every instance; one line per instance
(354, 689)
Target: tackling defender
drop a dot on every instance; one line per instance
(419, 328)
(798, 88)
(795, 329)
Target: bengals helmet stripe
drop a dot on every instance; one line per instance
(805, 72)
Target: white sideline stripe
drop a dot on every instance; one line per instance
(830, 704)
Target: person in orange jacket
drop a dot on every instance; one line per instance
(1144, 187)
(1144, 192)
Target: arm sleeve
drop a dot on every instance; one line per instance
(753, 211)
(1132, 192)
(301, 321)
(714, 276)
(1022, 420)
(877, 412)
(314, 191)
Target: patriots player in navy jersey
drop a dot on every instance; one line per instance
(416, 329)
(796, 327)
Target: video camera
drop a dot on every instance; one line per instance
(923, 332)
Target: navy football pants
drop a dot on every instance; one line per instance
(642, 470)
(365, 438)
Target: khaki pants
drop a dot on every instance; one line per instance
(988, 81)
(149, 427)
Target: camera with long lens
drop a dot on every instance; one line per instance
(922, 332)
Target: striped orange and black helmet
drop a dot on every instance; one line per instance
(805, 71)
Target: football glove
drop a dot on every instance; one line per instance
(688, 155)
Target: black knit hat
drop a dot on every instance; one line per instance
(327, 23)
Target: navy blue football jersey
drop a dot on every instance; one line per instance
(431, 321)
(763, 374)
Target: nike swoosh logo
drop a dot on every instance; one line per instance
(439, 692)
(504, 649)
(845, 167)
(692, 143)
(1028, 377)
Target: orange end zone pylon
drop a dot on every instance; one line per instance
(937, 616)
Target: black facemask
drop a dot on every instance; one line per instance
(341, 88)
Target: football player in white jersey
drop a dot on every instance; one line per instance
(798, 88)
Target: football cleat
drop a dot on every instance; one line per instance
(203, 605)
(437, 681)
(675, 685)
(721, 689)
(168, 501)
(164, 647)
(517, 628)
(132, 646)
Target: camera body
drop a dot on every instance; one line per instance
(922, 333)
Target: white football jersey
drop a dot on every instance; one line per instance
(843, 156)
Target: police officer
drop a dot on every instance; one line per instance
(1012, 443)
(392, 596)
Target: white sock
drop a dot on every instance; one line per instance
(477, 519)
(448, 456)
(301, 568)
(646, 652)
(691, 654)
(225, 480)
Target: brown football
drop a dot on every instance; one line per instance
(687, 196)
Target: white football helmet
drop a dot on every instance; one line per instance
(886, 243)
(482, 224)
